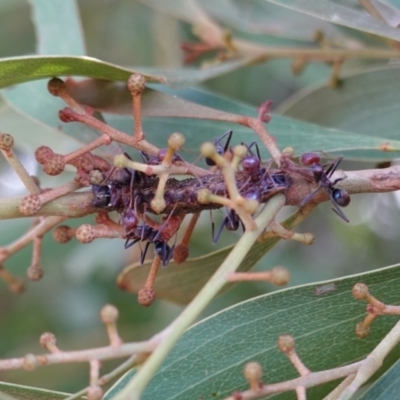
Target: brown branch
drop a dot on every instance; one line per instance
(365, 181)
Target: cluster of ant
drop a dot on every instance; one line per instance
(130, 193)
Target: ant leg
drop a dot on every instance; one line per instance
(257, 149)
(220, 229)
(220, 150)
(309, 197)
(145, 157)
(338, 211)
(332, 168)
(144, 252)
(164, 224)
(130, 244)
(230, 222)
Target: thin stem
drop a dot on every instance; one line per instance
(100, 353)
(310, 380)
(103, 380)
(38, 230)
(22, 173)
(373, 361)
(134, 389)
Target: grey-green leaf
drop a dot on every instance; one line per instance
(366, 103)
(22, 392)
(341, 15)
(208, 361)
(52, 19)
(24, 69)
(386, 387)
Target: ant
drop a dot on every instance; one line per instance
(259, 182)
(145, 232)
(338, 197)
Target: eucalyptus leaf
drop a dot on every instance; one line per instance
(386, 387)
(208, 361)
(291, 132)
(366, 103)
(22, 392)
(28, 68)
(341, 15)
(52, 19)
(180, 283)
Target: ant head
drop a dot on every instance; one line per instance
(309, 159)
(102, 195)
(341, 197)
(251, 164)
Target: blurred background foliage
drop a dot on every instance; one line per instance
(79, 279)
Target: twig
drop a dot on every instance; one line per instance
(134, 389)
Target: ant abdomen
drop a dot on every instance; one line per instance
(129, 220)
(309, 159)
(342, 198)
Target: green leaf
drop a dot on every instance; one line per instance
(366, 103)
(301, 136)
(58, 28)
(386, 387)
(35, 103)
(34, 100)
(21, 392)
(340, 15)
(208, 361)
(23, 69)
(180, 283)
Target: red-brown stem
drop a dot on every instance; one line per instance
(102, 140)
(249, 276)
(189, 230)
(151, 277)
(94, 371)
(37, 250)
(39, 230)
(12, 281)
(115, 134)
(137, 118)
(53, 194)
(268, 140)
(105, 232)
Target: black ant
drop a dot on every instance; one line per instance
(338, 197)
(144, 232)
(258, 183)
(231, 222)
